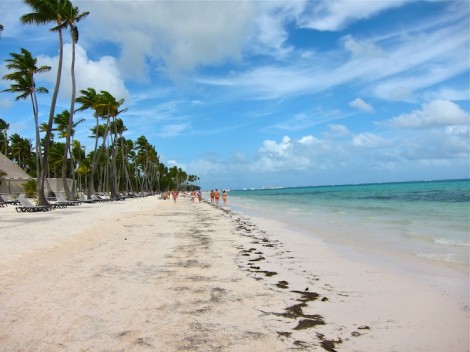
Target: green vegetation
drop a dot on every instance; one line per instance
(115, 164)
(30, 187)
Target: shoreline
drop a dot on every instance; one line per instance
(439, 274)
(380, 291)
(148, 274)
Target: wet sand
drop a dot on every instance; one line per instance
(150, 275)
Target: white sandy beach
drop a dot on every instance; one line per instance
(150, 275)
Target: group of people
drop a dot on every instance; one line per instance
(195, 194)
(174, 195)
(215, 197)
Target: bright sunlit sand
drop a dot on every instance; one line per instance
(147, 274)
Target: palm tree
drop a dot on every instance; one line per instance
(21, 152)
(4, 126)
(44, 12)
(110, 108)
(147, 164)
(25, 86)
(1, 30)
(89, 100)
(119, 128)
(73, 16)
(62, 121)
(106, 106)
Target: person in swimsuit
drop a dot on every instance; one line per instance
(224, 198)
(175, 195)
(216, 197)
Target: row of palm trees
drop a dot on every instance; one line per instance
(110, 143)
(138, 168)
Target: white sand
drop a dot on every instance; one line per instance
(150, 275)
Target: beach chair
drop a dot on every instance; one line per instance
(84, 199)
(7, 199)
(119, 197)
(101, 198)
(27, 206)
(68, 202)
(54, 203)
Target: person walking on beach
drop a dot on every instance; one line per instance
(212, 196)
(199, 196)
(216, 197)
(224, 198)
(175, 195)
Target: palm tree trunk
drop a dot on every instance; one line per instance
(41, 187)
(96, 158)
(38, 140)
(68, 193)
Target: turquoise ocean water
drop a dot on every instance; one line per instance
(426, 222)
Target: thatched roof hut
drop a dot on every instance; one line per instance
(13, 176)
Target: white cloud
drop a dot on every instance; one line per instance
(292, 154)
(102, 74)
(360, 104)
(332, 15)
(309, 157)
(338, 130)
(393, 68)
(422, 60)
(176, 163)
(436, 113)
(362, 48)
(270, 36)
(172, 130)
(448, 93)
(308, 140)
(270, 147)
(181, 35)
(370, 140)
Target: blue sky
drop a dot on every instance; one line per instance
(271, 93)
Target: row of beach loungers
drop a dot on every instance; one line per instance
(23, 204)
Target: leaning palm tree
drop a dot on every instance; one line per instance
(1, 30)
(25, 66)
(73, 17)
(44, 12)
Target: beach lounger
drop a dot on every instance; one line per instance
(68, 202)
(101, 198)
(27, 206)
(55, 204)
(8, 199)
(84, 199)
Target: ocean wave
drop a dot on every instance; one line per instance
(441, 257)
(449, 242)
